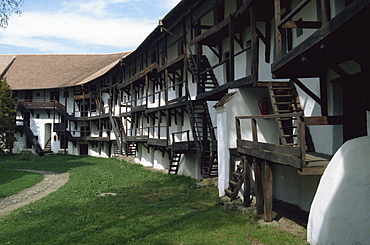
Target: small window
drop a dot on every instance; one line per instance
(37, 115)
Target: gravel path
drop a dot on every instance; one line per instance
(52, 181)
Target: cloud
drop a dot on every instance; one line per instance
(86, 26)
(94, 7)
(84, 30)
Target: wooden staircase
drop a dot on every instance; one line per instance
(116, 123)
(284, 100)
(204, 137)
(203, 73)
(235, 183)
(31, 137)
(175, 162)
(47, 148)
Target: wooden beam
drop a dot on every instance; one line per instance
(247, 181)
(281, 149)
(258, 186)
(278, 37)
(285, 159)
(268, 192)
(294, 12)
(302, 24)
(255, 48)
(324, 120)
(307, 90)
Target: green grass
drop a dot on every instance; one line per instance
(148, 208)
(12, 181)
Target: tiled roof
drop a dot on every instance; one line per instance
(56, 70)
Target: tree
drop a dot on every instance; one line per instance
(7, 117)
(7, 8)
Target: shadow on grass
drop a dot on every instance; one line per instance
(154, 209)
(57, 163)
(137, 207)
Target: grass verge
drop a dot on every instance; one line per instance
(108, 201)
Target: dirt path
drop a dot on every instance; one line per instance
(52, 181)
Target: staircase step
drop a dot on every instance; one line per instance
(237, 175)
(288, 136)
(282, 95)
(233, 183)
(282, 88)
(283, 103)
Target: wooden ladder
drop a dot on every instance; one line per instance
(130, 148)
(285, 100)
(235, 183)
(175, 162)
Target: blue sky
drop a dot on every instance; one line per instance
(82, 26)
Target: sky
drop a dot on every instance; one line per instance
(81, 26)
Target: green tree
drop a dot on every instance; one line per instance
(7, 117)
(7, 8)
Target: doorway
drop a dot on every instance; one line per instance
(84, 149)
(354, 110)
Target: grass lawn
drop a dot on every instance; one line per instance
(12, 181)
(147, 208)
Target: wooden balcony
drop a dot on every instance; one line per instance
(307, 163)
(140, 76)
(342, 38)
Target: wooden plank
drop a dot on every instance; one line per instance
(324, 120)
(281, 149)
(315, 164)
(270, 116)
(268, 192)
(277, 157)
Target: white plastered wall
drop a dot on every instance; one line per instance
(340, 212)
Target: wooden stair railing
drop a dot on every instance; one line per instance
(116, 129)
(203, 73)
(204, 137)
(31, 137)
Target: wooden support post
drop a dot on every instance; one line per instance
(247, 181)
(278, 39)
(231, 165)
(231, 51)
(238, 130)
(268, 192)
(254, 44)
(325, 11)
(258, 185)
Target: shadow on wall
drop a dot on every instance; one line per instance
(340, 212)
